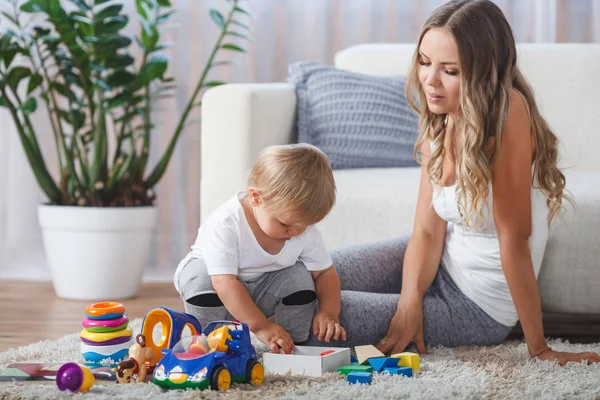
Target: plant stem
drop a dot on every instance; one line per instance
(52, 104)
(37, 163)
(159, 169)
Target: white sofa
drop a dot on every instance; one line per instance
(238, 120)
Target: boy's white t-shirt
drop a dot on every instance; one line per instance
(228, 246)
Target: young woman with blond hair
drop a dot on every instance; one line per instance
(489, 189)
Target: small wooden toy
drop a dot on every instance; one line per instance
(408, 359)
(363, 353)
(354, 367)
(406, 371)
(360, 377)
(380, 363)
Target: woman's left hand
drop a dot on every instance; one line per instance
(562, 358)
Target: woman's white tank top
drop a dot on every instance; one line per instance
(473, 258)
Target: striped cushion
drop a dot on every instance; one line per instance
(359, 121)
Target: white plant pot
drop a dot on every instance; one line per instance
(96, 253)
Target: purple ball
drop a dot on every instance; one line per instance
(69, 376)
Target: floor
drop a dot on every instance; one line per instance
(29, 312)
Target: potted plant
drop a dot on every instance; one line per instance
(77, 65)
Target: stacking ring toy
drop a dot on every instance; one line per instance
(98, 354)
(117, 340)
(105, 310)
(104, 336)
(106, 325)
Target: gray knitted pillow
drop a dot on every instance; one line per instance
(359, 121)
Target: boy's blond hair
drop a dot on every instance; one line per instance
(296, 179)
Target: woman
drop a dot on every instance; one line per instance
(490, 186)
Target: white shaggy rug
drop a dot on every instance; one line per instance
(499, 372)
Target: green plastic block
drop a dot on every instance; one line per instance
(355, 367)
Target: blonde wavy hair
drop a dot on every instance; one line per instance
(488, 65)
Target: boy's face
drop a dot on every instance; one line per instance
(276, 225)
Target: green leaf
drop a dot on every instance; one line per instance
(164, 3)
(107, 12)
(65, 91)
(8, 56)
(81, 5)
(154, 68)
(118, 100)
(218, 18)
(233, 47)
(104, 85)
(2, 102)
(34, 82)
(143, 9)
(15, 76)
(242, 25)
(29, 106)
(214, 83)
(113, 25)
(149, 40)
(240, 35)
(83, 19)
(77, 119)
(119, 61)
(164, 17)
(243, 11)
(120, 78)
(33, 6)
(99, 2)
(85, 24)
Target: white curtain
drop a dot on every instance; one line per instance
(285, 31)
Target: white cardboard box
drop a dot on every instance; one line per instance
(306, 360)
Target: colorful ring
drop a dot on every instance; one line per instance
(104, 336)
(92, 325)
(105, 317)
(102, 329)
(117, 340)
(104, 309)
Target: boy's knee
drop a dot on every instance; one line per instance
(300, 298)
(206, 300)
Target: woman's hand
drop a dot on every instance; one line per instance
(406, 327)
(562, 358)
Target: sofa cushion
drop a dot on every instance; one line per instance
(359, 121)
(372, 204)
(570, 274)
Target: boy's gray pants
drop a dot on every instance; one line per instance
(269, 292)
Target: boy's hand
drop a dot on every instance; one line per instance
(274, 336)
(326, 326)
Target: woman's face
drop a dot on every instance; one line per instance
(439, 72)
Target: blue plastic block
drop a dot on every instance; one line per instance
(359, 377)
(406, 371)
(353, 359)
(379, 363)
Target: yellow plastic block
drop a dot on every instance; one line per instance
(408, 359)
